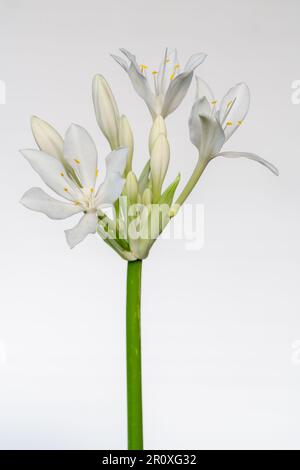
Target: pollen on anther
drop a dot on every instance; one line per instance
(77, 161)
(239, 123)
(92, 190)
(229, 104)
(176, 66)
(214, 102)
(229, 123)
(154, 72)
(97, 172)
(66, 190)
(62, 174)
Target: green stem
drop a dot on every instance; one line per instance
(134, 362)
(200, 167)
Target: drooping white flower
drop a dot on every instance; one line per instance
(75, 181)
(211, 126)
(169, 83)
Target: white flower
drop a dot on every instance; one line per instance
(74, 178)
(211, 126)
(170, 85)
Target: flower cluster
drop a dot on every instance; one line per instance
(69, 165)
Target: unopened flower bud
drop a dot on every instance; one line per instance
(147, 197)
(157, 128)
(106, 110)
(131, 187)
(126, 140)
(159, 161)
(47, 138)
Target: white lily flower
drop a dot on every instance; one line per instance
(170, 85)
(78, 187)
(210, 126)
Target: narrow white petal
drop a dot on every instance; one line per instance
(251, 156)
(116, 161)
(86, 225)
(204, 90)
(47, 138)
(198, 132)
(176, 92)
(37, 200)
(194, 61)
(167, 71)
(110, 190)
(206, 134)
(141, 86)
(81, 154)
(120, 61)
(234, 108)
(52, 173)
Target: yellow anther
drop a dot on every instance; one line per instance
(143, 67)
(172, 76)
(176, 66)
(77, 203)
(97, 172)
(76, 161)
(229, 104)
(66, 190)
(239, 123)
(155, 72)
(229, 123)
(62, 174)
(214, 102)
(92, 190)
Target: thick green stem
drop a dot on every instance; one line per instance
(134, 361)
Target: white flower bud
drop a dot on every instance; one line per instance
(47, 138)
(158, 127)
(106, 110)
(126, 140)
(159, 161)
(147, 197)
(131, 187)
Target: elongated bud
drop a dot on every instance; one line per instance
(159, 161)
(106, 110)
(47, 138)
(126, 140)
(132, 187)
(158, 127)
(147, 197)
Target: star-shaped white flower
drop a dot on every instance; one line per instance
(212, 125)
(72, 174)
(170, 84)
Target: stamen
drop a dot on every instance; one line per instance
(154, 72)
(176, 66)
(97, 172)
(77, 161)
(239, 123)
(143, 67)
(66, 190)
(92, 190)
(229, 123)
(214, 102)
(172, 76)
(229, 104)
(62, 174)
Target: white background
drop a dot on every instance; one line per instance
(219, 324)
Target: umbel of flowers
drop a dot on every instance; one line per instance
(142, 204)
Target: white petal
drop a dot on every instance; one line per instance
(81, 154)
(110, 190)
(204, 90)
(52, 173)
(37, 200)
(207, 135)
(116, 161)
(140, 83)
(234, 108)
(200, 108)
(176, 92)
(168, 68)
(47, 138)
(194, 61)
(86, 225)
(251, 156)
(120, 61)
